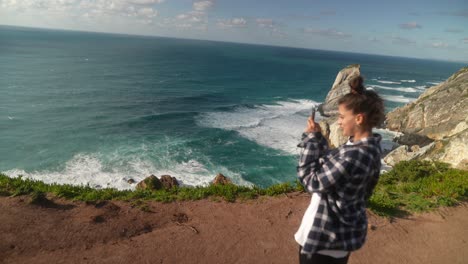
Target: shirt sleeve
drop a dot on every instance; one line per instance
(317, 172)
(314, 146)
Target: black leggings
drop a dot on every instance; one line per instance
(321, 259)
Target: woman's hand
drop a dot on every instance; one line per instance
(312, 126)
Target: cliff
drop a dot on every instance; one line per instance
(440, 114)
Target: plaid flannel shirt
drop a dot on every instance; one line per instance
(345, 177)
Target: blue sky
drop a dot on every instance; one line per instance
(421, 29)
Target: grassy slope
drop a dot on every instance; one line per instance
(412, 186)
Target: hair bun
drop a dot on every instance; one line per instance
(356, 85)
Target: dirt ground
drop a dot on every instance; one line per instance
(208, 231)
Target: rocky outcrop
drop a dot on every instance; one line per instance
(168, 182)
(339, 88)
(439, 112)
(220, 179)
(332, 132)
(452, 150)
(407, 153)
(413, 139)
(329, 109)
(149, 183)
(153, 183)
(130, 181)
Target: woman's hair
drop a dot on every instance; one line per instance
(362, 101)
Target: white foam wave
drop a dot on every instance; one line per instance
(398, 98)
(387, 143)
(388, 82)
(409, 81)
(276, 126)
(400, 89)
(434, 83)
(89, 169)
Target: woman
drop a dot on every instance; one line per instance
(340, 180)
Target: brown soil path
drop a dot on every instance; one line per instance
(257, 231)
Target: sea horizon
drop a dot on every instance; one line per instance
(228, 42)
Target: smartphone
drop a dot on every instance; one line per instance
(312, 113)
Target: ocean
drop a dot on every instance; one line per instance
(98, 109)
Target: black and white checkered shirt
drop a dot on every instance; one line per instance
(345, 177)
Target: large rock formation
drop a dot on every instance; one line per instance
(339, 88)
(329, 109)
(441, 114)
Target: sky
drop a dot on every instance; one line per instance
(420, 29)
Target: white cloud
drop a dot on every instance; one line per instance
(146, 2)
(182, 16)
(194, 19)
(465, 40)
(373, 39)
(270, 26)
(141, 9)
(439, 45)
(264, 22)
(232, 23)
(239, 21)
(410, 25)
(203, 6)
(147, 12)
(331, 33)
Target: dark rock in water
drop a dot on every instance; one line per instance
(149, 183)
(168, 181)
(411, 139)
(220, 179)
(131, 181)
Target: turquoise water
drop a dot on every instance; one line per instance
(97, 109)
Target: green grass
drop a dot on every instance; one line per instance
(418, 186)
(21, 186)
(412, 186)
